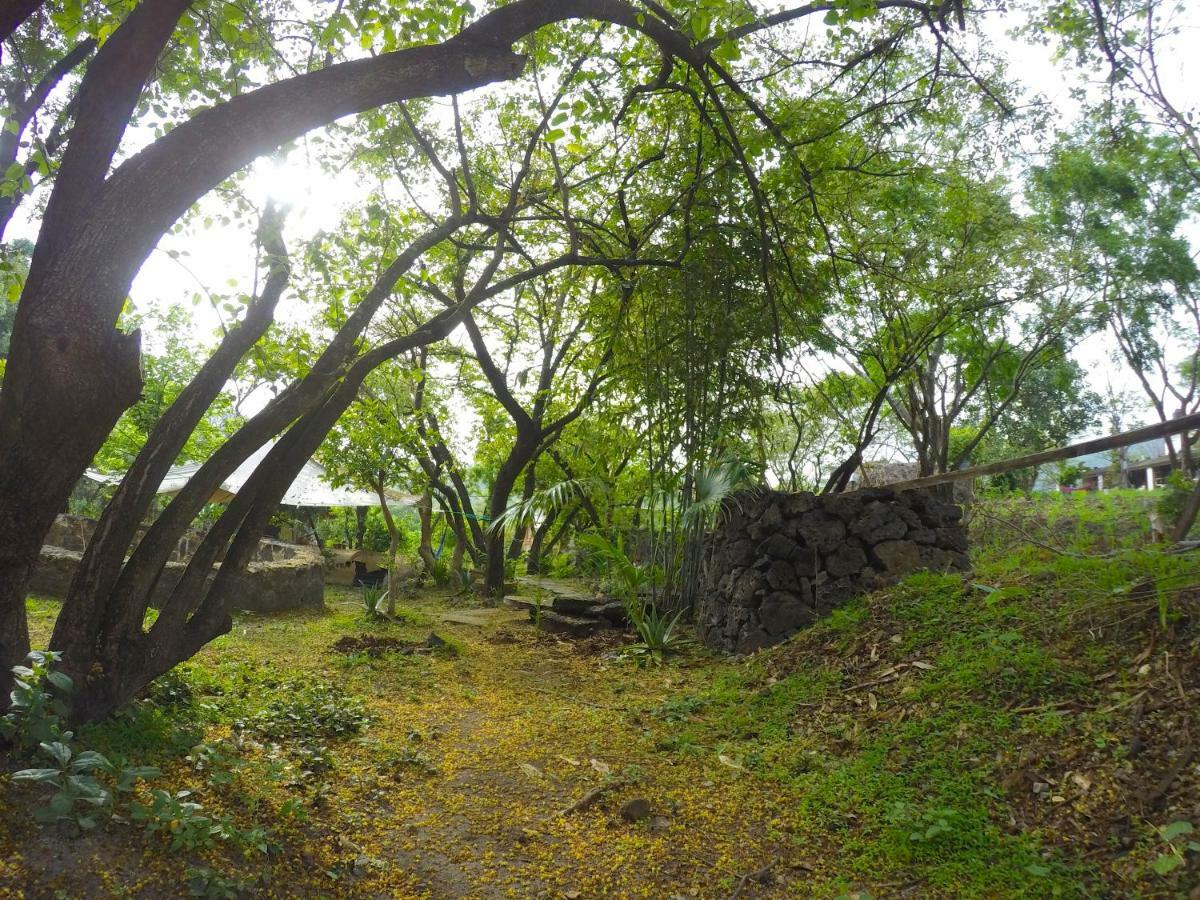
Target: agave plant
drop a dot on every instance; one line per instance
(372, 597)
(657, 633)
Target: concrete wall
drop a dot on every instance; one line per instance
(283, 576)
(776, 562)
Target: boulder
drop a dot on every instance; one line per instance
(848, 559)
(747, 588)
(952, 539)
(878, 522)
(783, 614)
(821, 530)
(767, 523)
(782, 577)
(897, 558)
(795, 505)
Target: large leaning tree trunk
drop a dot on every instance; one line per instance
(71, 373)
(99, 629)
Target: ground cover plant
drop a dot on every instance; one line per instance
(1021, 731)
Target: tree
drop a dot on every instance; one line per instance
(71, 373)
(540, 420)
(1052, 407)
(1124, 39)
(1118, 203)
(367, 449)
(164, 375)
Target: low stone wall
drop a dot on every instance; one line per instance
(778, 561)
(73, 533)
(283, 576)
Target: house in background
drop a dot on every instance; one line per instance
(1147, 465)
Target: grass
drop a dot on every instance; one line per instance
(988, 736)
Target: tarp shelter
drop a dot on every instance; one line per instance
(311, 486)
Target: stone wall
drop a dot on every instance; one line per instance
(282, 576)
(73, 533)
(777, 561)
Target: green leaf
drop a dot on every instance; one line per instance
(134, 773)
(90, 760)
(59, 751)
(32, 775)
(61, 680)
(1175, 829)
(1166, 863)
(554, 134)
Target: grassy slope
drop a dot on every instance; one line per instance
(1003, 735)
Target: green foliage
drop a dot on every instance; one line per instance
(1177, 491)
(79, 794)
(38, 703)
(185, 825)
(626, 578)
(657, 631)
(212, 885)
(1177, 836)
(372, 596)
(82, 794)
(218, 761)
(308, 711)
(1069, 474)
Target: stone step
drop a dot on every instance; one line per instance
(613, 612)
(577, 605)
(557, 588)
(560, 623)
(517, 601)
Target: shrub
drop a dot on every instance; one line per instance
(38, 704)
(35, 719)
(656, 630)
(1177, 491)
(79, 795)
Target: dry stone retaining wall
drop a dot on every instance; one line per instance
(777, 562)
(282, 576)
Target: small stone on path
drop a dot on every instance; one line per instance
(635, 810)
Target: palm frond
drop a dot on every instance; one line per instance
(546, 501)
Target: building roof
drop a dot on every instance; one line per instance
(311, 487)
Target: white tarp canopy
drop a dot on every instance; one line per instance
(311, 486)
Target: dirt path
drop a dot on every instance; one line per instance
(519, 728)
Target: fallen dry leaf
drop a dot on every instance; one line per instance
(730, 761)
